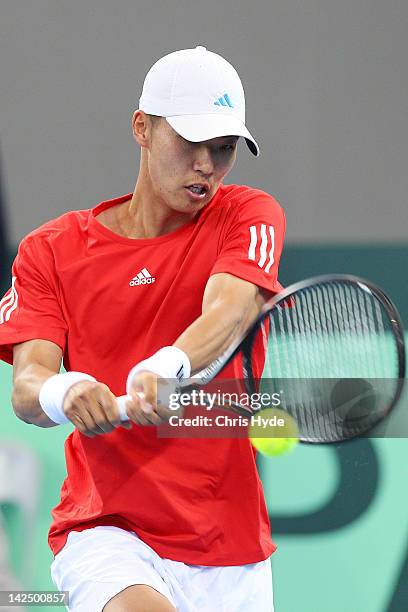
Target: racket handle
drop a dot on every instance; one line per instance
(122, 399)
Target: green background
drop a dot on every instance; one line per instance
(338, 512)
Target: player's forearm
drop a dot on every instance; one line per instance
(26, 390)
(212, 333)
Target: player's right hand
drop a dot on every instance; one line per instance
(92, 408)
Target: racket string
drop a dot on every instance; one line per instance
(330, 332)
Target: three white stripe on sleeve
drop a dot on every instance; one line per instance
(264, 236)
(8, 303)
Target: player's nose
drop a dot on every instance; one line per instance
(203, 159)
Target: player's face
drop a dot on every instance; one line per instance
(186, 175)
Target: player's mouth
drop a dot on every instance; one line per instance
(198, 191)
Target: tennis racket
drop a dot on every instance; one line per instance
(334, 352)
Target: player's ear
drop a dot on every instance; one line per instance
(141, 128)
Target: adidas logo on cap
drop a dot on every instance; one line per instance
(224, 101)
(143, 278)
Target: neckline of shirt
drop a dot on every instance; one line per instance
(113, 236)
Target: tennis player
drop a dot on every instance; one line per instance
(156, 283)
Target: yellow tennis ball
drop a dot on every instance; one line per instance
(273, 432)
(272, 447)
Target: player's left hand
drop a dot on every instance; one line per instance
(148, 405)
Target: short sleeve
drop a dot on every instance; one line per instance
(252, 242)
(31, 309)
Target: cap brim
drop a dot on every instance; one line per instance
(197, 128)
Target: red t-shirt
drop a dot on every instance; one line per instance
(110, 301)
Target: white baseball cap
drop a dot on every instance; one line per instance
(199, 93)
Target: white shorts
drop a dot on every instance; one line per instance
(96, 564)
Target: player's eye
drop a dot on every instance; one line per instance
(228, 148)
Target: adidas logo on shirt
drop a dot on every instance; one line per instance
(143, 278)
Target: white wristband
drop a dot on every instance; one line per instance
(53, 391)
(169, 362)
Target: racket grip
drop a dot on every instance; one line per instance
(121, 400)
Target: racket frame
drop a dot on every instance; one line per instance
(244, 342)
(389, 307)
